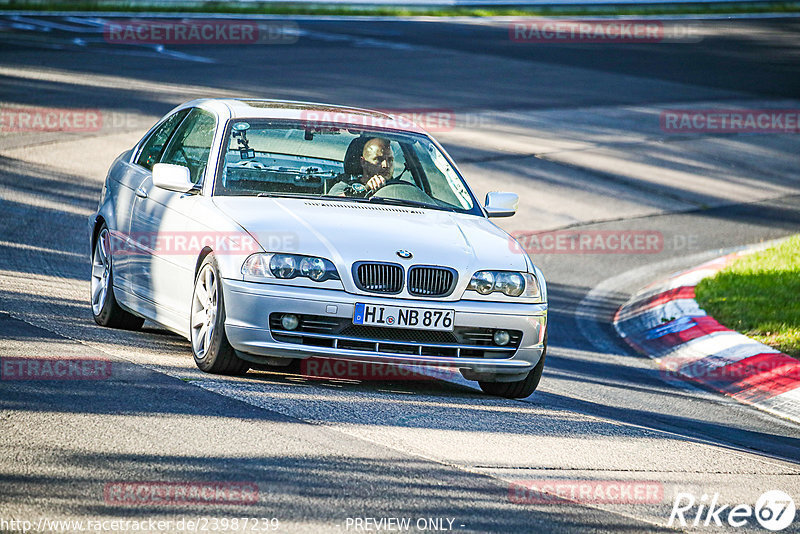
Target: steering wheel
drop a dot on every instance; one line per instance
(393, 182)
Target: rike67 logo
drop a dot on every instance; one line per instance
(774, 510)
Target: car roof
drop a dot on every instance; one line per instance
(312, 113)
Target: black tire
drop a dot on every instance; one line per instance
(520, 388)
(218, 357)
(110, 313)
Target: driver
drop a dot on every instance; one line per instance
(377, 167)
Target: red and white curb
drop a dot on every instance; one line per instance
(664, 321)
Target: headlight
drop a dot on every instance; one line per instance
(286, 266)
(482, 282)
(313, 268)
(509, 283)
(283, 266)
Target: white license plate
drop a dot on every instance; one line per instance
(400, 317)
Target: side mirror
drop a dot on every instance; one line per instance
(501, 204)
(172, 177)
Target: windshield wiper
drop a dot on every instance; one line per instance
(275, 194)
(415, 203)
(337, 197)
(391, 201)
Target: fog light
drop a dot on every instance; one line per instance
(501, 337)
(290, 322)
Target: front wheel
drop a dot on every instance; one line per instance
(210, 347)
(520, 388)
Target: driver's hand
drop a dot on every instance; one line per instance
(375, 183)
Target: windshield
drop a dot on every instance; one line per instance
(279, 158)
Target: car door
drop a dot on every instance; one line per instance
(163, 274)
(131, 175)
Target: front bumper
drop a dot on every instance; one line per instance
(248, 307)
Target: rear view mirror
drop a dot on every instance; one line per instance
(501, 204)
(172, 177)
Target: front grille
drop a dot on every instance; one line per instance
(322, 325)
(398, 334)
(425, 281)
(378, 277)
(341, 333)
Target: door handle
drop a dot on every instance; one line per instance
(141, 193)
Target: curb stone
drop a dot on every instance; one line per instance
(664, 322)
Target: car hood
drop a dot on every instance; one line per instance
(346, 232)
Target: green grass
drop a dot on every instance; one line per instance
(759, 295)
(267, 8)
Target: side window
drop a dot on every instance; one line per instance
(191, 144)
(152, 148)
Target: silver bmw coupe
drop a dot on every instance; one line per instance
(269, 231)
